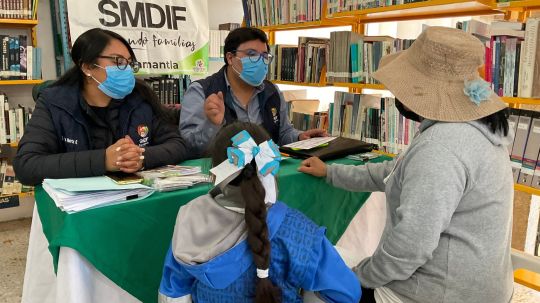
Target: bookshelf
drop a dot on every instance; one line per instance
(359, 85)
(413, 11)
(299, 83)
(18, 204)
(18, 23)
(306, 25)
(421, 10)
(20, 82)
(430, 9)
(517, 5)
(22, 24)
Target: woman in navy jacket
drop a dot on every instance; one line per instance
(97, 118)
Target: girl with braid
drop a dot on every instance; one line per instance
(238, 244)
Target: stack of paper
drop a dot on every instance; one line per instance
(169, 171)
(174, 183)
(310, 143)
(78, 194)
(173, 177)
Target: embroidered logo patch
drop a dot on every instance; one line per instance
(274, 115)
(142, 130)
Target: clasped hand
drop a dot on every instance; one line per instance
(125, 156)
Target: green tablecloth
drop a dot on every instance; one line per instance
(128, 242)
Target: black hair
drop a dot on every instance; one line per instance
(87, 49)
(241, 35)
(253, 194)
(497, 122)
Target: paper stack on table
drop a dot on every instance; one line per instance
(310, 143)
(173, 177)
(77, 194)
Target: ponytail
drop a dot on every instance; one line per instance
(253, 194)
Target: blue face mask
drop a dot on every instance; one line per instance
(119, 83)
(253, 73)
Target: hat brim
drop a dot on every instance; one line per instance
(429, 97)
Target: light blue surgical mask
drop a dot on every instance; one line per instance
(253, 73)
(119, 82)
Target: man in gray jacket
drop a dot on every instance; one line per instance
(449, 195)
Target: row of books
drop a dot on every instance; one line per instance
(19, 60)
(354, 57)
(9, 185)
(305, 121)
(525, 150)
(12, 120)
(512, 55)
(274, 12)
(336, 6)
(346, 57)
(524, 155)
(169, 89)
(302, 63)
(304, 114)
(372, 119)
(283, 66)
(18, 9)
(217, 42)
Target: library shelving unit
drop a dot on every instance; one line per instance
(31, 26)
(430, 9)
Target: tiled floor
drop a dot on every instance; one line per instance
(13, 246)
(14, 243)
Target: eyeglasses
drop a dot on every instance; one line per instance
(122, 62)
(254, 56)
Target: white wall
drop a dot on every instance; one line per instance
(22, 94)
(224, 11)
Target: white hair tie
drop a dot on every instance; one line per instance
(262, 273)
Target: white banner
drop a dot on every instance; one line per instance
(167, 36)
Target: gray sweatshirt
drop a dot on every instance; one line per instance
(448, 229)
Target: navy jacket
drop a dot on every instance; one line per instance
(60, 139)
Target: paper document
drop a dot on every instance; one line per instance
(173, 177)
(78, 194)
(310, 143)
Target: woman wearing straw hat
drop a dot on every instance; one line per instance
(449, 195)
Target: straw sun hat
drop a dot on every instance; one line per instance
(437, 77)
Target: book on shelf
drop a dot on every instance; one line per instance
(169, 89)
(311, 59)
(337, 6)
(228, 26)
(217, 43)
(529, 72)
(353, 57)
(9, 184)
(372, 119)
(283, 65)
(18, 59)
(304, 114)
(18, 9)
(276, 12)
(306, 121)
(512, 56)
(12, 121)
(524, 151)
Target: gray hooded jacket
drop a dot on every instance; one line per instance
(449, 216)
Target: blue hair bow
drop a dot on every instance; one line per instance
(243, 151)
